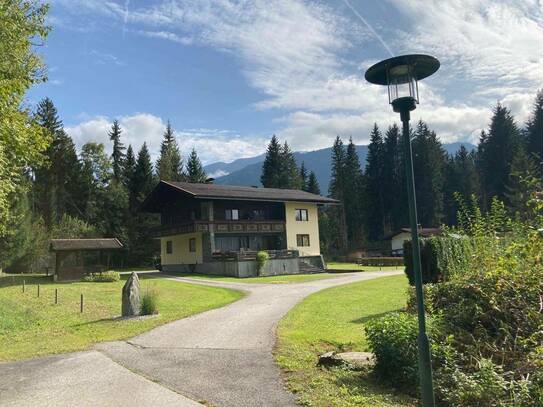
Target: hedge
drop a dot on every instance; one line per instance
(441, 258)
(380, 261)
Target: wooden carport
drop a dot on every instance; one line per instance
(73, 258)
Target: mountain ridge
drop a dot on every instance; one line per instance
(246, 171)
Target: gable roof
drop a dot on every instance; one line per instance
(231, 192)
(85, 244)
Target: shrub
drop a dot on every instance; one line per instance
(393, 340)
(261, 259)
(441, 258)
(105, 277)
(379, 261)
(149, 303)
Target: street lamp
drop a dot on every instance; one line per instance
(401, 75)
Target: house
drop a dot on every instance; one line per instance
(218, 229)
(398, 238)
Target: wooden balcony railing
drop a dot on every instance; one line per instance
(221, 226)
(251, 255)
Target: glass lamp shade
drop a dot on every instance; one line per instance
(402, 83)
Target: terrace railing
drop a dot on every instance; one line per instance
(246, 255)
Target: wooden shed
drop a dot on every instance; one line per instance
(73, 258)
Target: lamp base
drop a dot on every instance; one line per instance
(404, 104)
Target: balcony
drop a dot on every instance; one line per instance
(251, 255)
(221, 226)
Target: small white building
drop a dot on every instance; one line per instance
(398, 238)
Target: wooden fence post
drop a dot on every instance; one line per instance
(23, 286)
(81, 303)
(56, 295)
(38, 291)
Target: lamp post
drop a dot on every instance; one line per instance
(401, 74)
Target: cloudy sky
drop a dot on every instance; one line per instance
(228, 74)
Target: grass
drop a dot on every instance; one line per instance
(353, 266)
(31, 326)
(283, 279)
(333, 319)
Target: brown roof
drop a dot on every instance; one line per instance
(214, 191)
(85, 244)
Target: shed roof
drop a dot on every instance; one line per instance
(85, 244)
(232, 192)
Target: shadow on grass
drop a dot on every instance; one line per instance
(374, 316)
(10, 280)
(364, 381)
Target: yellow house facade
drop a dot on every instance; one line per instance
(219, 229)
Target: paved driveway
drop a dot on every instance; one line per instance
(221, 357)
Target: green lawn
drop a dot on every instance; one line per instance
(291, 278)
(31, 326)
(333, 319)
(353, 266)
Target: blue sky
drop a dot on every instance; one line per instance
(229, 74)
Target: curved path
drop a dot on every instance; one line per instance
(221, 357)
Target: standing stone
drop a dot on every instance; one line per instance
(131, 296)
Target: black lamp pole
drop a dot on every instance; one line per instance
(395, 73)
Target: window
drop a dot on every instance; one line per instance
(302, 240)
(301, 215)
(192, 244)
(169, 247)
(232, 214)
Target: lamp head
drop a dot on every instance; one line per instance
(401, 75)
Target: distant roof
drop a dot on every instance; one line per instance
(214, 191)
(423, 232)
(85, 244)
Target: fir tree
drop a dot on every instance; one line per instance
(374, 185)
(303, 177)
(428, 165)
(313, 184)
(195, 170)
(169, 165)
(289, 174)
(535, 128)
(117, 155)
(271, 167)
(334, 221)
(496, 152)
(58, 188)
(523, 184)
(143, 180)
(129, 166)
(353, 195)
(393, 182)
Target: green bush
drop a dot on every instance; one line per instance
(393, 340)
(261, 259)
(105, 277)
(149, 303)
(441, 257)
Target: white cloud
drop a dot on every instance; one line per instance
(166, 35)
(211, 144)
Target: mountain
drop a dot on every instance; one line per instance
(246, 171)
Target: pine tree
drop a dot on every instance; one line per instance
(535, 128)
(313, 184)
(303, 177)
(428, 164)
(289, 174)
(58, 189)
(195, 170)
(461, 179)
(353, 196)
(496, 152)
(524, 182)
(395, 206)
(142, 181)
(129, 167)
(374, 186)
(334, 221)
(271, 167)
(117, 155)
(169, 165)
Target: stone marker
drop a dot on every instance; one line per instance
(354, 359)
(131, 296)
